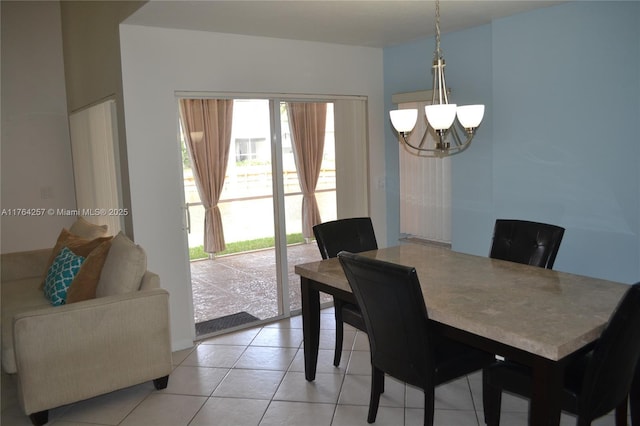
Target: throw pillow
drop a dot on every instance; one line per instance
(85, 229)
(60, 275)
(84, 284)
(123, 269)
(78, 245)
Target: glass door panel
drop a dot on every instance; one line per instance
(238, 285)
(247, 211)
(299, 249)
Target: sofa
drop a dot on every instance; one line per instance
(114, 334)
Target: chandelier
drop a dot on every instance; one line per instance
(440, 114)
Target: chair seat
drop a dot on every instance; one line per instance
(516, 378)
(352, 315)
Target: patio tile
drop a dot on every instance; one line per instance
(245, 282)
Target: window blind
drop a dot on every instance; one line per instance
(425, 187)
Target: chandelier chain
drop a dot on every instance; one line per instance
(438, 52)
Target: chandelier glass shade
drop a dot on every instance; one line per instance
(441, 115)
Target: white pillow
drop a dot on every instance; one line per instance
(123, 268)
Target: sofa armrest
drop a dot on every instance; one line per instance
(77, 351)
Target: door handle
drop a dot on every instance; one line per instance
(188, 217)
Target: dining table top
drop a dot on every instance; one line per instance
(541, 311)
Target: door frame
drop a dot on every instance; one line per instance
(352, 182)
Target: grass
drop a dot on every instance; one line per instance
(242, 246)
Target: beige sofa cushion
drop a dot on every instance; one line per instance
(123, 268)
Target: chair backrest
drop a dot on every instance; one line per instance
(395, 315)
(610, 372)
(352, 234)
(522, 241)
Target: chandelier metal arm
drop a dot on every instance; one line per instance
(442, 148)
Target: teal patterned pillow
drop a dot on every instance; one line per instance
(60, 275)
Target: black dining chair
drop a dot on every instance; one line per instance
(595, 383)
(531, 243)
(634, 399)
(403, 341)
(354, 235)
(522, 241)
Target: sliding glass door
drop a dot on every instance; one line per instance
(280, 179)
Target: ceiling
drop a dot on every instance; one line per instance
(360, 22)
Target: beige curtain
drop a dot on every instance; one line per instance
(207, 131)
(307, 121)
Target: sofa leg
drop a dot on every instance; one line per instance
(161, 382)
(40, 418)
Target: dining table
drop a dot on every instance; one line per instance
(538, 317)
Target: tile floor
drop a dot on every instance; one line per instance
(256, 377)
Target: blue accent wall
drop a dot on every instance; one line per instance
(560, 139)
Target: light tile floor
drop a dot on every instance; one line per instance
(256, 377)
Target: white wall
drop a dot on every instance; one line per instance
(158, 62)
(36, 153)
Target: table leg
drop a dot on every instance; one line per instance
(310, 327)
(546, 393)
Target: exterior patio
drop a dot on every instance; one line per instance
(246, 282)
